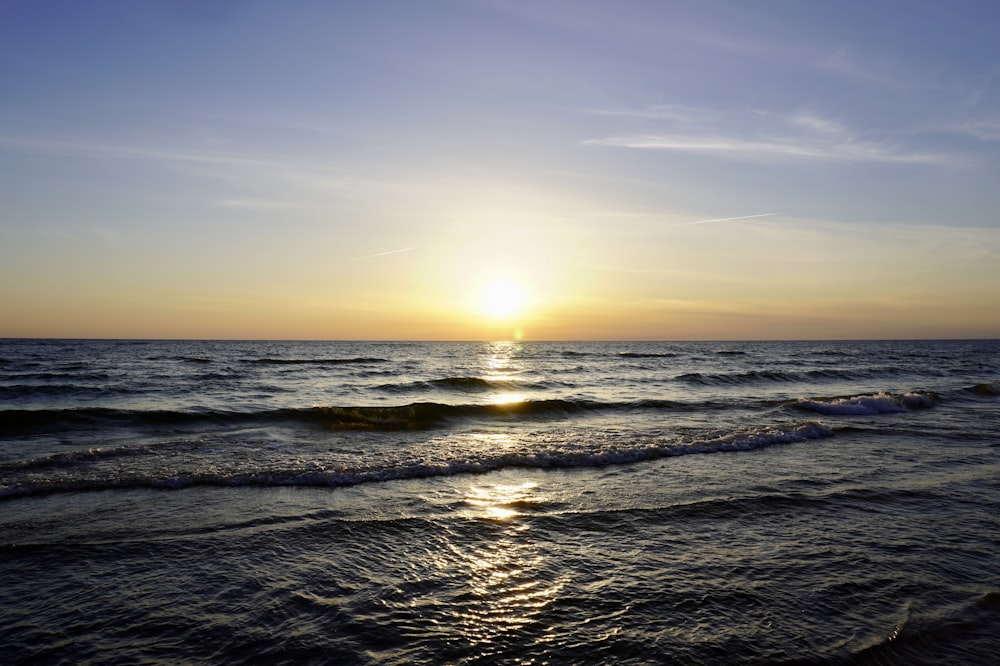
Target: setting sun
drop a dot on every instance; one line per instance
(502, 299)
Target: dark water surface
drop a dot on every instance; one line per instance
(539, 503)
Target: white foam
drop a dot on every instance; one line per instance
(865, 405)
(311, 473)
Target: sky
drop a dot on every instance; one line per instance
(497, 169)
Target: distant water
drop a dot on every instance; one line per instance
(463, 503)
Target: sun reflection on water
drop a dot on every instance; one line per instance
(508, 589)
(501, 502)
(502, 360)
(507, 398)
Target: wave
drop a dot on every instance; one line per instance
(423, 415)
(626, 354)
(426, 415)
(21, 391)
(816, 375)
(754, 376)
(864, 405)
(715, 379)
(985, 389)
(831, 352)
(314, 474)
(71, 458)
(25, 421)
(469, 385)
(413, 416)
(46, 376)
(463, 384)
(419, 415)
(963, 634)
(314, 361)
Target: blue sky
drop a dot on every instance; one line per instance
(365, 170)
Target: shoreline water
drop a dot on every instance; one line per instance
(872, 542)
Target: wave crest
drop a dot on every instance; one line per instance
(420, 415)
(311, 473)
(865, 405)
(413, 416)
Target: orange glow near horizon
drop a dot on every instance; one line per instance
(533, 280)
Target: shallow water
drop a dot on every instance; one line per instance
(244, 502)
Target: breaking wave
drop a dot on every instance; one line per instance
(863, 405)
(316, 474)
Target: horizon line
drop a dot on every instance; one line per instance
(480, 341)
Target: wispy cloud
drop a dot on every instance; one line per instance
(849, 64)
(776, 147)
(113, 150)
(675, 112)
(983, 130)
(388, 252)
(254, 181)
(817, 123)
(763, 136)
(259, 204)
(733, 219)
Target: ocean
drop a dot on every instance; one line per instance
(212, 502)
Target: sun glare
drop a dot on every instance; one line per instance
(502, 299)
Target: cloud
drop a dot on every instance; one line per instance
(983, 130)
(119, 151)
(258, 204)
(247, 172)
(775, 147)
(105, 150)
(847, 64)
(817, 123)
(732, 219)
(388, 252)
(675, 112)
(765, 136)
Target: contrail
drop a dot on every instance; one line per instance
(382, 254)
(729, 219)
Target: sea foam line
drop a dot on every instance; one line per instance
(313, 474)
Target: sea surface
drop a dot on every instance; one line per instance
(178, 502)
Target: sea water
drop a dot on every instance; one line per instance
(166, 502)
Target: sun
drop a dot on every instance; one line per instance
(502, 299)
